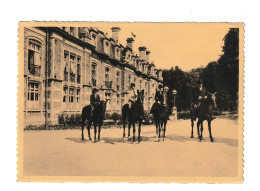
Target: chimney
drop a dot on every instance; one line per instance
(130, 42)
(115, 33)
(147, 55)
(142, 52)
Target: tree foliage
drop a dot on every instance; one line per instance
(219, 76)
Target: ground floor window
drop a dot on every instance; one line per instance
(71, 98)
(78, 98)
(33, 95)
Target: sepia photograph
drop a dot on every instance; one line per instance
(134, 102)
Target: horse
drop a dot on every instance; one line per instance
(133, 115)
(161, 115)
(96, 118)
(202, 112)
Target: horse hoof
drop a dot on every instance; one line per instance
(191, 136)
(212, 140)
(82, 139)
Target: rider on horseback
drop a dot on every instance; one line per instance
(94, 100)
(159, 95)
(203, 94)
(132, 95)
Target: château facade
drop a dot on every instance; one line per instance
(63, 64)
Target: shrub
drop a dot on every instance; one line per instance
(147, 119)
(77, 119)
(72, 119)
(61, 119)
(116, 117)
(107, 116)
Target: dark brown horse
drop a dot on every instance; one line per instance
(202, 112)
(161, 115)
(96, 118)
(133, 115)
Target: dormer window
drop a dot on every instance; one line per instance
(117, 52)
(93, 36)
(72, 30)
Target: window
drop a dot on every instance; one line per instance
(117, 99)
(117, 52)
(140, 87)
(129, 82)
(107, 74)
(78, 95)
(108, 84)
(93, 36)
(34, 60)
(108, 97)
(118, 81)
(93, 72)
(71, 95)
(71, 98)
(65, 94)
(78, 70)
(72, 30)
(145, 86)
(33, 95)
(66, 65)
(72, 68)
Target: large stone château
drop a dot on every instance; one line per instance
(74, 60)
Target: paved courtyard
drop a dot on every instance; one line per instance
(63, 153)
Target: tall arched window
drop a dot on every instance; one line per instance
(107, 82)
(140, 87)
(129, 81)
(34, 57)
(94, 74)
(117, 80)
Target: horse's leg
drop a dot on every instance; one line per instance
(95, 131)
(159, 128)
(198, 128)
(156, 125)
(99, 129)
(164, 129)
(82, 128)
(123, 128)
(133, 131)
(192, 125)
(139, 131)
(201, 130)
(89, 137)
(129, 127)
(209, 127)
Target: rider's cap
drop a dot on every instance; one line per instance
(94, 90)
(160, 86)
(132, 84)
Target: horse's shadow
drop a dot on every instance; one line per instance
(171, 137)
(77, 140)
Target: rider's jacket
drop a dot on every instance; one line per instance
(159, 96)
(94, 99)
(203, 92)
(132, 95)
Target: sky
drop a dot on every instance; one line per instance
(186, 45)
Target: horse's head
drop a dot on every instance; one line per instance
(140, 96)
(103, 105)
